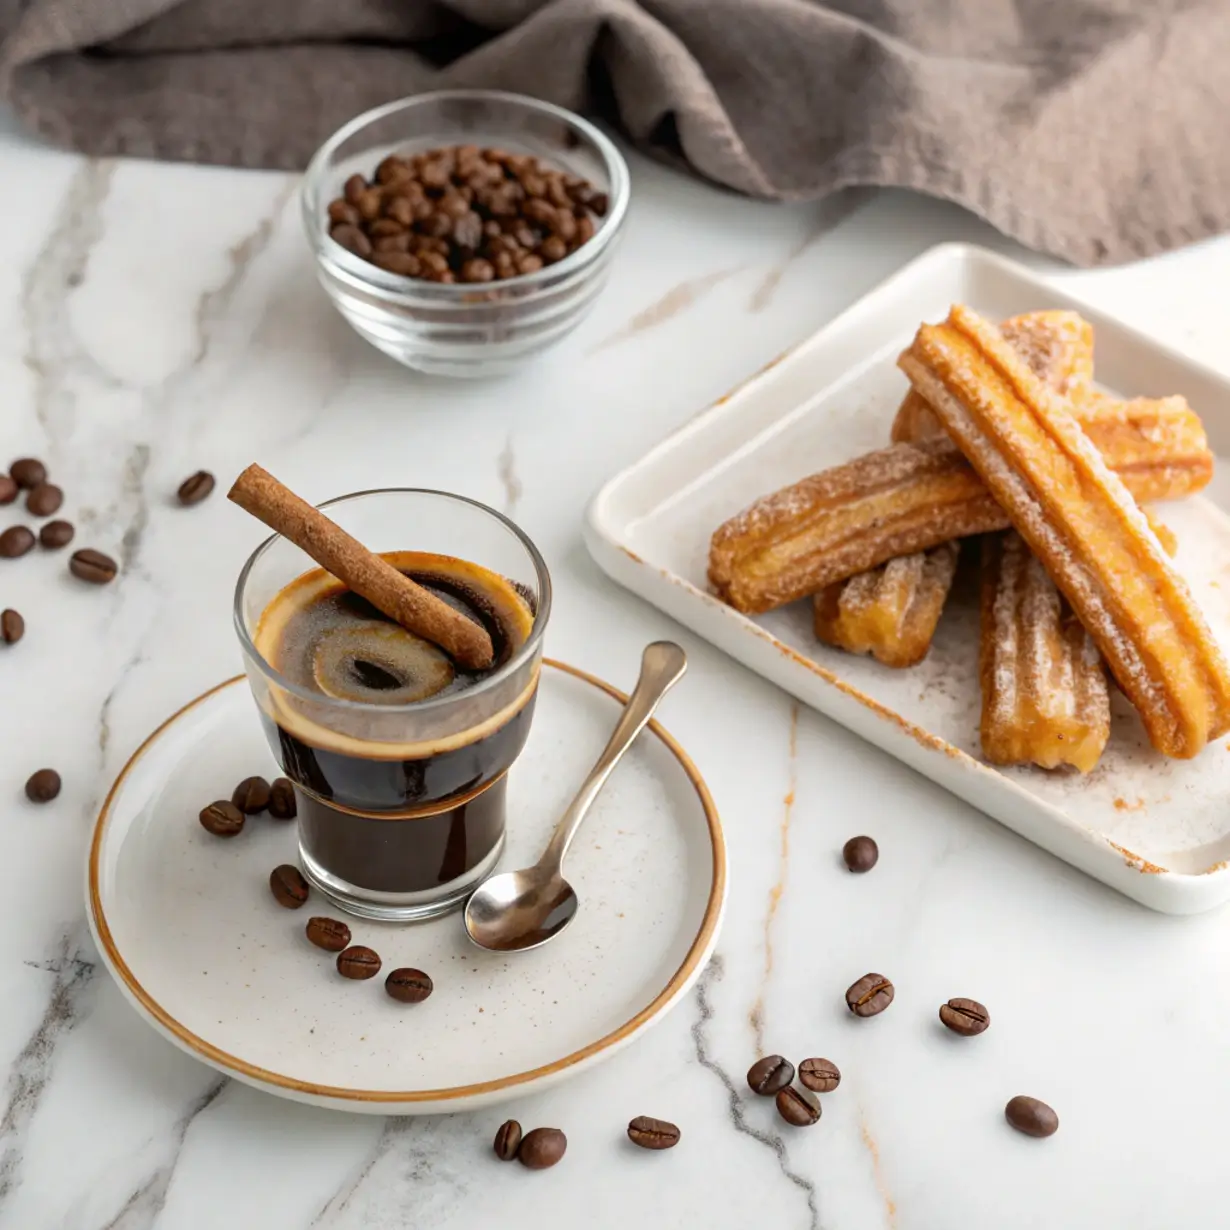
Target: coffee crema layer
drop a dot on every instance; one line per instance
(325, 639)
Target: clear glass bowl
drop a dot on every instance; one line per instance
(465, 329)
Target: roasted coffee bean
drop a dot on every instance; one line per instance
(966, 1017)
(195, 488)
(392, 243)
(870, 995)
(222, 819)
(406, 264)
(542, 1147)
(354, 188)
(44, 500)
(16, 541)
(288, 886)
(43, 786)
(507, 1140)
(56, 534)
(352, 239)
(400, 209)
(28, 472)
(328, 933)
(410, 986)
(819, 1075)
(477, 270)
(251, 795)
(282, 804)
(92, 566)
(861, 854)
(384, 228)
(343, 213)
(358, 962)
(653, 1133)
(12, 626)
(1032, 1117)
(468, 232)
(529, 264)
(766, 1076)
(553, 249)
(797, 1108)
(8, 489)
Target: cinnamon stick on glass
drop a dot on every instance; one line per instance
(391, 592)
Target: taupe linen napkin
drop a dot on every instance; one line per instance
(1093, 129)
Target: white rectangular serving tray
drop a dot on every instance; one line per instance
(1157, 830)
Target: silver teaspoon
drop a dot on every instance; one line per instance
(519, 910)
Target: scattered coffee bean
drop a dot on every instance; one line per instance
(464, 214)
(28, 472)
(288, 886)
(966, 1017)
(15, 541)
(92, 566)
(409, 986)
(251, 795)
(8, 489)
(542, 1147)
(43, 786)
(766, 1076)
(870, 995)
(12, 627)
(861, 854)
(222, 819)
(331, 934)
(358, 962)
(797, 1108)
(195, 488)
(653, 1133)
(819, 1075)
(56, 534)
(44, 500)
(507, 1140)
(282, 799)
(1032, 1117)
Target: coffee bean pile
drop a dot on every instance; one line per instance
(465, 214)
(44, 499)
(253, 795)
(773, 1077)
(537, 1149)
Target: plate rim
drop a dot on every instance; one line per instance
(680, 980)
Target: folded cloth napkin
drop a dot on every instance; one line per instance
(1092, 129)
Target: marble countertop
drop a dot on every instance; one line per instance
(156, 319)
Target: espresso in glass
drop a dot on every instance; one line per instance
(399, 757)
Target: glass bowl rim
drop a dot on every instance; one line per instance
(373, 276)
(531, 646)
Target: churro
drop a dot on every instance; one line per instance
(1081, 521)
(1057, 345)
(912, 497)
(1044, 694)
(891, 611)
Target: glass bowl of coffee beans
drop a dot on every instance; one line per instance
(463, 231)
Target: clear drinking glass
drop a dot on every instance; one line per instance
(400, 807)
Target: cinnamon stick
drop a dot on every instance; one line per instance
(389, 591)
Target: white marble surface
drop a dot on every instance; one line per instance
(154, 319)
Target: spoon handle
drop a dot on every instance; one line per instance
(662, 665)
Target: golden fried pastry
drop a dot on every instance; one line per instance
(1057, 345)
(1044, 694)
(1081, 522)
(912, 497)
(891, 611)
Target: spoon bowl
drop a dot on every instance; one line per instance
(516, 911)
(519, 910)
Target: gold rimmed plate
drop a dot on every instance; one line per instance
(187, 925)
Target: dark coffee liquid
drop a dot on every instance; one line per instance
(387, 822)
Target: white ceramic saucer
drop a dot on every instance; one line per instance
(186, 923)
